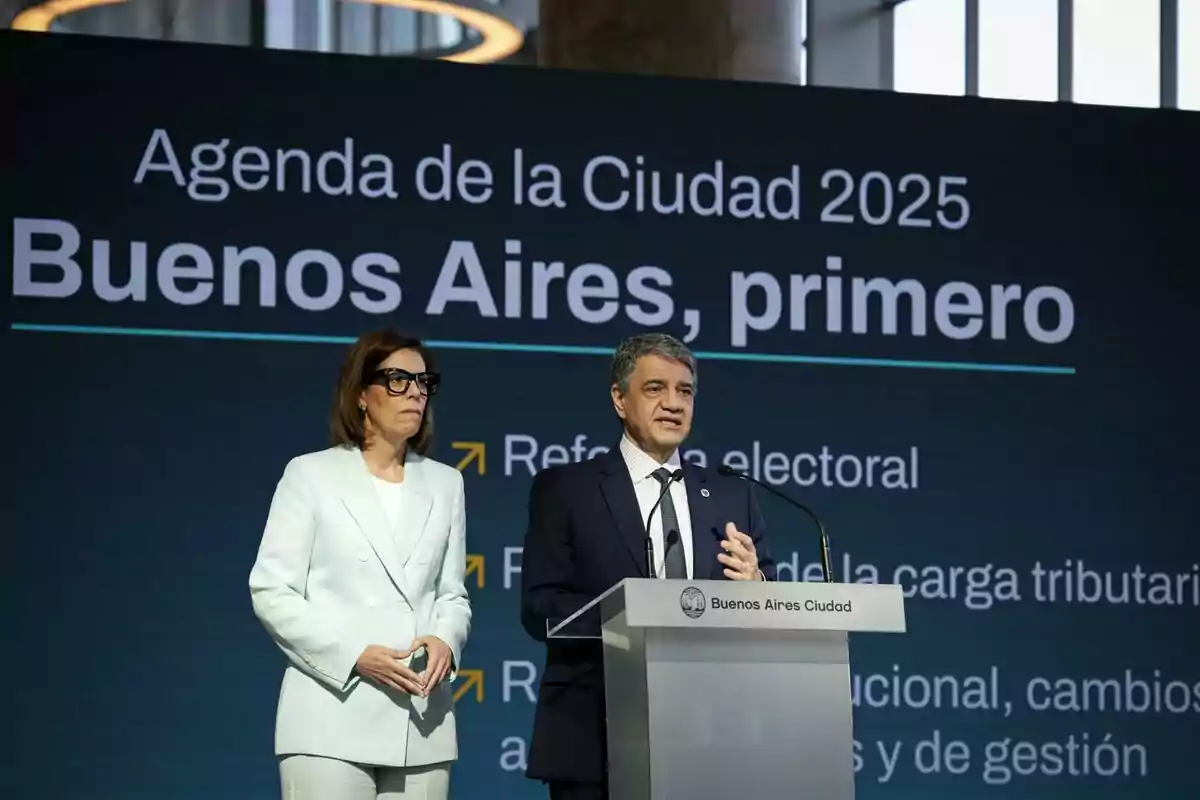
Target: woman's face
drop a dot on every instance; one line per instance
(396, 405)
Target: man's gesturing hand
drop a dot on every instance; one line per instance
(740, 558)
(382, 665)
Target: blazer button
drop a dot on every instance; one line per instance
(363, 557)
(372, 602)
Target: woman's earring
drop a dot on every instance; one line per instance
(362, 409)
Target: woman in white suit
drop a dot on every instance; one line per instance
(360, 580)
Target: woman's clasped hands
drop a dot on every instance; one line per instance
(386, 666)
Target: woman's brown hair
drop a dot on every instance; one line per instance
(346, 423)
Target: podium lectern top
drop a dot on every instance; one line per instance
(745, 605)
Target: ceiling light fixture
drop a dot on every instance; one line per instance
(500, 36)
(39, 17)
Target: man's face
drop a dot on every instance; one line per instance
(657, 409)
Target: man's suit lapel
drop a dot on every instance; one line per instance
(617, 488)
(707, 528)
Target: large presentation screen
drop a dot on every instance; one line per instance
(963, 331)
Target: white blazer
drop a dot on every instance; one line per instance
(331, 577)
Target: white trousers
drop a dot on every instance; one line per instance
(316, 778)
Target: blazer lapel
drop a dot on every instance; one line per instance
(617, 487)
(419, 505)
(707, 527)
(359, 498)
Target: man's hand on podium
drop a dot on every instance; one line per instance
(739, 558)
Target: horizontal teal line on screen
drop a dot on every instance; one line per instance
(559, 349)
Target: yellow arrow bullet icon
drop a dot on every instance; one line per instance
(475, 565)
(469, 679)
(475, 451)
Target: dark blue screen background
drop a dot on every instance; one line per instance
(148, 435)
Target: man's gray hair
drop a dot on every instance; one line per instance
(647, 344)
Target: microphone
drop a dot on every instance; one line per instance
(677, 475)
(826, 568)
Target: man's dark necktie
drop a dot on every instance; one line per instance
(675, 566)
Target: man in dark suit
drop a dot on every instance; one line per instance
(587, 531)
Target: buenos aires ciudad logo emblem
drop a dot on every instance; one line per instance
(692, 601)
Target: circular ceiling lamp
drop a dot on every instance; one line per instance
(498, 36)
(42, 16)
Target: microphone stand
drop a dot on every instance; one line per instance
(826, 563)
(675, 476)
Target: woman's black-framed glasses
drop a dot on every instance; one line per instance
(397, 381)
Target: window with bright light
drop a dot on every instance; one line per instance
(1018, 49)
(930, 47)
(1116, 52)
(281, 24)
(1189, 54)
(804, 47)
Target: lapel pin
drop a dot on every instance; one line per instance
(704, 492)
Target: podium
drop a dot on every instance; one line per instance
(731, 690)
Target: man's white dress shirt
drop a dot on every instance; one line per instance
(647, 488)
